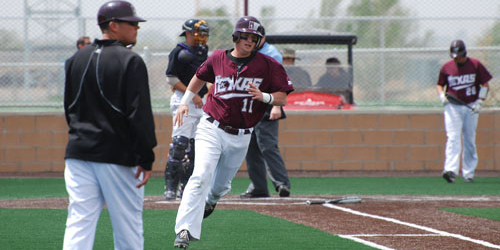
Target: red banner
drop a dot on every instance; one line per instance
(309, 100)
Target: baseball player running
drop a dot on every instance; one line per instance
(466, 79)
(184, 59)
(245, 83)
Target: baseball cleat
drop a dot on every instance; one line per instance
(283, 191)
(209, 209)
(449, 176)
(169, 195)
(469, 180)
(182, 239)
(248, 195)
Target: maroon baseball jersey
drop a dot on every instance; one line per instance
(464, 81)
(229, 101)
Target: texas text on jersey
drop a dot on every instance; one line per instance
(229, 97)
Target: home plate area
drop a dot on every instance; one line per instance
(382, 222)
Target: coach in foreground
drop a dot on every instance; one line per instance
(111, 133)
(462, 88)
(245, 84)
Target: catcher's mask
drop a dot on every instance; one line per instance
(199, 29)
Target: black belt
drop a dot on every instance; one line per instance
(229, 129)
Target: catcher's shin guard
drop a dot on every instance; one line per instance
(187, 167)
(174, 165)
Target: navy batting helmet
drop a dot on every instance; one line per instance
(195, 24)
(457, 48)
(117, 10)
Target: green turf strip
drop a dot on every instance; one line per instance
(492, 213)
(225, 229)
(54, 187)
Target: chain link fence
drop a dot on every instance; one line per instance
(401, 44)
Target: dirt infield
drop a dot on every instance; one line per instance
(385, 222)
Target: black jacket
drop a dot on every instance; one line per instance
(109, 116)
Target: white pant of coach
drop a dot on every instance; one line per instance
(92, 185)
(219, 155)
(460, 125)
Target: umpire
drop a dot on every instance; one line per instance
(263, 152)
(111, 132)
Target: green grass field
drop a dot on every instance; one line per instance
(228, 229)
(54, 187)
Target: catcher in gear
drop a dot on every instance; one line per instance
(466, 79)
(184, 60)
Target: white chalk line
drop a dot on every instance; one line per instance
(365, 242)
(424, 228)
(392, 235)
(262, 201)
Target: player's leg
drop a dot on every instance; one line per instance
(469, 156)
(208, 150)
(85, 205)
(256, 168)
(174, 164)
(453, 120)
(234, 151)
(125, 203)
(268, 144)
(188, 164)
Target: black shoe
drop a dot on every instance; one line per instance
(449, 176)
(182, 239)
(209, 209)
(248, 195)
(283, 191)
(469, 180)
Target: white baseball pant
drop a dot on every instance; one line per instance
(460, 123)
(219, 155)
(90, 185)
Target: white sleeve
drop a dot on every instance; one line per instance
(172, 80)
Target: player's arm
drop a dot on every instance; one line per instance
(483, 91)
(178, 85)
(193, 88)
(275, 98)
(442, 94)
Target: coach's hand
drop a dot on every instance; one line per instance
(145, 179)
(182, 111)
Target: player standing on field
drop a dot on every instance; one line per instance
(466, 79)
(183, 61)
(245, 83)
(111, 133)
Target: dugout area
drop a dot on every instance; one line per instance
(337, 42)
